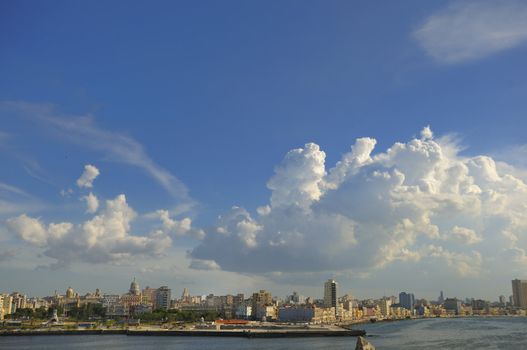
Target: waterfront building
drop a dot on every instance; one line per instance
(243, 311)
(407, 300)
(480, 307)
(259, 300)
(266, 313)
(163, 298)
(7, 304)
(519, 293)
(330, 295)
(385, 306)
(18, 301)
(306, 313)
(453, 306)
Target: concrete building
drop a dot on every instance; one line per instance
(407, 300)
(296, 298)
(306, 313)
(330, 295)
(7, 304)
(266, 313)
(149, 295)
(385, 306)
(163, 298)
(519, 293)
(453, 306)
(260, 300)
(243, 311)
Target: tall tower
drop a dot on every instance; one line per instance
(519, 293)
(330, 294)
(186, 294)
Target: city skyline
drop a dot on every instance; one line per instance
(188, 148)
(327, 295)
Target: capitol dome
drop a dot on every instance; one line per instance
(134, 288)
(70, 293)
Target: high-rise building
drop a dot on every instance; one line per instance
(384, 306)
(453, 305)
(519, 293)
(260, 301)
(441, 298)
(163, 298)
(330, 294)
(149, 295)
(185, 295)
(502, 300)
(296, 298)
(407, 300)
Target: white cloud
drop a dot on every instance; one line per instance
(298, 178)
(198, 264)
(88, 176)
(104, 238)
(29, 229)
(470, 30)
(176, 227)
(464, 235)
(66, 192)
(92, 203)
(418, 202)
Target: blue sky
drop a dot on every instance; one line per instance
(189, 107)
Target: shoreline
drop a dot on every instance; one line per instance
(195, 333)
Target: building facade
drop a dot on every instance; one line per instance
(163, 298)
(330, 295)
(407, 300)
(519, 293)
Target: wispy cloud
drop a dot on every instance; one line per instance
(471, 30)
(14, 200)
(83, 130)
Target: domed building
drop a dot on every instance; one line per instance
(70, 293)
(134, 288)
(134, 296)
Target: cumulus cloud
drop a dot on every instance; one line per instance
(198, 264)
(88, 176)
(418, 201)
(176, 227)
(104, 238)
(92, 203)
(470, 30)
(464, 235)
